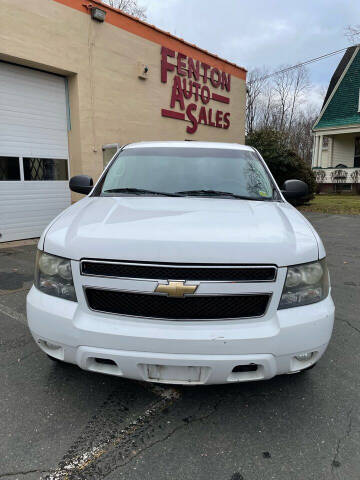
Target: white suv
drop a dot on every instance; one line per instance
(184, 264)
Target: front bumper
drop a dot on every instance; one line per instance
(180, 352)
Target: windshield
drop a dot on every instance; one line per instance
(189, 172)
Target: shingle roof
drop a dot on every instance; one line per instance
(341, 104)
(339, 71)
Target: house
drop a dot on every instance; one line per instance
(78, 79)
(336, 151)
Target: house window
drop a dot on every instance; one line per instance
(342, 187)
(325, 143)
(357, 153)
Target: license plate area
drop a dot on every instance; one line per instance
(175, 374)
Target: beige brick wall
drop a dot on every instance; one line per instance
(108, 102)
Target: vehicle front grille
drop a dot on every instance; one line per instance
(172, 272)
(194, 307)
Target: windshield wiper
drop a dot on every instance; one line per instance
(218, 193)
(141, 191)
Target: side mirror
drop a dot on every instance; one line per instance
(293, 189)
(81, 184)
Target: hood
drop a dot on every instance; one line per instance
(183, 230)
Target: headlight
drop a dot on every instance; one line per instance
(53, 276)
(305, 284)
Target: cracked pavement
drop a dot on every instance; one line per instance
(59, 422)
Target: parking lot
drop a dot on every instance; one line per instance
(59, 422)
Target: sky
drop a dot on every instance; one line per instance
(260, 33)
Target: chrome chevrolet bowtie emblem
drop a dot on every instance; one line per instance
(176, 289)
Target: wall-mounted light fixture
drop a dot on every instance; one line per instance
(98, 14)
(143, 71)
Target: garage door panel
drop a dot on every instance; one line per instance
(37, 211)
(21, 233)
(26, 134)
(20, 120)
(8, 201)
(23, 109)
(9, 95)
(34, 207)
(19, 117)
(40, 151)
(29, 85)
(37, 80)
(33, 124)
(40, 204)
(22, 147)
(33, 112)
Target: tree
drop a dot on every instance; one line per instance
(284, 163)
(300, 137)
(277, 102)
(300, 84)
(129, 6)
(352, 33)
(283, 83)
(255, 86)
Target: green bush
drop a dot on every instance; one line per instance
(283, 163)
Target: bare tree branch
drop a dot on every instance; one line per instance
(255, 87)
(283, 83)
(129, 6)
(278, 103)
(300, 84)
(352, 33)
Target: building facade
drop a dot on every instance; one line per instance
(336, 154)
(78, 79)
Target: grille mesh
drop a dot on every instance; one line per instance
(187, 308)
(231, 274)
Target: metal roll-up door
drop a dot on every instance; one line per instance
(34, 161)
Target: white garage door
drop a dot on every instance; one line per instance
(33, 151)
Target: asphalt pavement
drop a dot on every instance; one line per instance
(59, 422)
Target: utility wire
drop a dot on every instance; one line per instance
(306, 62)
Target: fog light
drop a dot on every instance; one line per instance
(50, 346)
(304, 357)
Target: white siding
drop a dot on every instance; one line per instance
(33, 123)
(343, 150)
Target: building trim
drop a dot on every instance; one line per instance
(336, 87)
(354, 128)
(150, 32)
